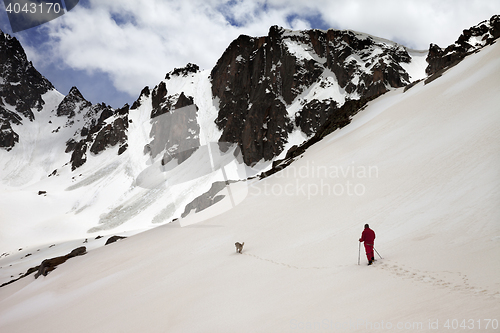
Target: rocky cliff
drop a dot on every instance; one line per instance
(21, 89)
(257, 80)
(470, 41)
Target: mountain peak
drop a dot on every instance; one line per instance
(21, 89)
(72, 103)
(21, 84)
(183, 71)
(75, 92)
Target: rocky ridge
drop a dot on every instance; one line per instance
(273, 96)
(470, 41)
(258, 81)
(262, 86)
(21, 89)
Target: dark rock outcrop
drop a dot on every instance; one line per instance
(103, 127)
(48, 265)
(256, 79)
(28, 272)
(314, 114)
(79, 155)
(72, 103)
(110, 135)
(8, 138)
(113, 239)
(21, 88)
(338, 119)
(144, 94)
(184, 71)
(471, 40)
(175, 131)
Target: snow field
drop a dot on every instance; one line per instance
(432, 198)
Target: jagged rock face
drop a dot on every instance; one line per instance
(314, 114)
(104, 134)
(72, 103)
(262, 87)
(79, 155)
(102, 127)
(257, 79)
(110, 135)
(22, 84)
(21, 89)
(248, 79)
(350, 56)
(184, 71)
(8, 138)
(144, 93)
(471, 40)
(175, 131)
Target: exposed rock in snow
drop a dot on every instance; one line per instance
(72, 103)
(260, 80)
(471, 40)
(21, 89)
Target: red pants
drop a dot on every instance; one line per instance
(369, 251)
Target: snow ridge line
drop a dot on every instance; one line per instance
(281, 263)
(455, 281)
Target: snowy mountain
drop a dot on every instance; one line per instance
(342, 127)
(21, 89)
(276, 91)
(195, 129)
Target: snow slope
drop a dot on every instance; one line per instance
(38, 153)
(130, 192)
(107, 195)
(421, 167)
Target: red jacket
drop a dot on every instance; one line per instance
(368, 236)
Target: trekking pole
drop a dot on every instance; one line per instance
(359, 251)
(378, 253)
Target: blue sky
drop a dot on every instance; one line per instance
(111, 49)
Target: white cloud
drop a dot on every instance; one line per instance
(416, 23)
(137, 42)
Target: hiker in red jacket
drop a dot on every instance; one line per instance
(368, 236)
